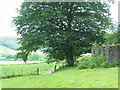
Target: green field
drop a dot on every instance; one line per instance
(63, 78)
(25, 69)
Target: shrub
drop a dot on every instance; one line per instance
(84, 58)
(96, 62)
(114, 63)
(83, 65)
(82, 61)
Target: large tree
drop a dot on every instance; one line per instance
(64, 30)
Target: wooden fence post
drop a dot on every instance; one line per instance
(13, 73)
(31, 72)
(5, 74)
(22, 72)
(19, 73)
(37, 71)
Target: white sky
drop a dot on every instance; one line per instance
(8, 10)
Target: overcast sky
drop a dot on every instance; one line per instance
(8, 10)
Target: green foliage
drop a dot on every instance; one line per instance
(65, 30)
(34, 57)
(37, 57)
(10, 42)
(84, 58)
(114, 63)
(83, 65)
(98, 61)
(95, 62)
(111, 39)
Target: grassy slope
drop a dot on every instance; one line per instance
(68, 78)
(10, 42)
(6, 51)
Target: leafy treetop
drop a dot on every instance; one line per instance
(64, 29)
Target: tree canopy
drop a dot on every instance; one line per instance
(64, 30)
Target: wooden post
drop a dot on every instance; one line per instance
(37, 71)
(31, 72)
(5, 74)
(13, 73)
(22, 72)
(55, 67)
(19, 73)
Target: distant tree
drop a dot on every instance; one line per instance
(64, 29)
(37, 57)
(111, 38)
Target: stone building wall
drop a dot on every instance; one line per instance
(110, 52)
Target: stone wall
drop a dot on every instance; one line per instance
(110, 52)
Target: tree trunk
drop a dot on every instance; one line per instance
(70, 61)
(69, 56)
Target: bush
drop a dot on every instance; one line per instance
(83, 65)
(111, 39)
(84, 58)
(82, 61)
(114, 63)
(96, 62)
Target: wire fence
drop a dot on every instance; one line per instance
(20, 72)
(27, 72)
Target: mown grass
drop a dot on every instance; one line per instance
(67, 78)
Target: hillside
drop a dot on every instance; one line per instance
(10, 42)
(6, 52)
(8, 49)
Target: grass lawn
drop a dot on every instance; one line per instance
(67, 78)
